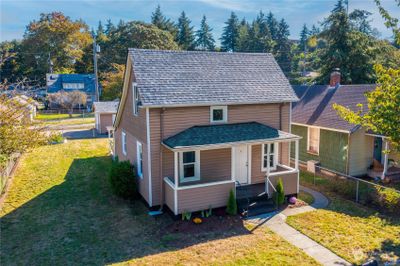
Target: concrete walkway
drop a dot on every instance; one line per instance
(277, 223)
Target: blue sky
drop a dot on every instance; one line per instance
(16, 14)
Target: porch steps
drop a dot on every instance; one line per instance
(253, 206)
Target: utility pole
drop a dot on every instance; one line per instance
(96, 49)
(50, 64)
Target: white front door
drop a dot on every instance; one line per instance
(241, 164)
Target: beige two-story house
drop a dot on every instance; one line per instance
(197, 125)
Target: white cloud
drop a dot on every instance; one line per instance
(230, 5)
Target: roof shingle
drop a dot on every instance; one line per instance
(315, 105)
(201, 78)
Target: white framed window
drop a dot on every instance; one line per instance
(73, 86)
(123, 142)
(135, 99)
(313, 140)
(189, 162)
(273, 156)
(139, 159)
(219, 114)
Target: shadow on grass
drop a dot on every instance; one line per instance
(81, 222)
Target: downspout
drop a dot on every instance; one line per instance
(161, 158)
(280, 128)
(348, 154)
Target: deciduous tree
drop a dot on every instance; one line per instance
(382, 113)
(68, 100)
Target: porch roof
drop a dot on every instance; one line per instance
(225, 134)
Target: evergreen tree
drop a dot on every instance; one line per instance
(304, 35)
(243, 44)
(160, 21)
(272, 24)
(360, 21)
(314, 30)
(205, 40)
(109, 27)
(185, 36)
(282, 48)
(230, 34)
(263, 41)
(346, 49)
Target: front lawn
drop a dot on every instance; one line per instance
(351, 231)
(41, 116)
(60, 210)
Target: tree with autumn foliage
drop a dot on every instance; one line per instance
(54, 40)
(112, 82)
(382, 113)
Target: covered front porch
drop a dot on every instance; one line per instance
(203, 164)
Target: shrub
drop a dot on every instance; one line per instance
(122, 179)
(231, 207)
(279, 195)
(388, 199)
(55, 138)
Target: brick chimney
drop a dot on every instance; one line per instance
(335, 78)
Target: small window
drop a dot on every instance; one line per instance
(313, 140)
(273, 156)
(123, 143)
(135, 99)
(139, 159)
(219, 114)
(72, 86)
(189, 166)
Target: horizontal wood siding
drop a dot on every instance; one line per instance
(215, 165)
(333, 147)
(169, 196)
(131, 156)
(289, 183)
(202, 198)
(178, 119)
(361, 151)
(105, 121)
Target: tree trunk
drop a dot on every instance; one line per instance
(70, 112)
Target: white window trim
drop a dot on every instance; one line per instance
(196, 176)
(224, 115)
(276, 156)
(135, 99)
(139, 154)
(308, 140)
(123, 142)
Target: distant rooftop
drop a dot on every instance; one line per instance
(106, 107)
(315, 105)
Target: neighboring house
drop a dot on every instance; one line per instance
(198, 124)
(69, 82)
(28, 105)
(330, 140)
(104, 113)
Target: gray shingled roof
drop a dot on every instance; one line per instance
(200, 78)
(106, 107)
(315, 105)
(224, 133)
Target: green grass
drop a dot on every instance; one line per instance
(351, 231)
(60, 210)
(61, 116)
(306, 197)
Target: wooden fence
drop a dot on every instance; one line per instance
(7, 171)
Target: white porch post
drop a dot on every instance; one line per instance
(268, 155)
(296, 159)
(176, 171)
(385, 159)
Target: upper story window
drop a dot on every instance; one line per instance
(189, 162)
(123, 142)
(273, 156)
(135, 95)
(73, 86)
(313, 140)
(218, 114)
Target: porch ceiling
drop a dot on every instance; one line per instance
(225, 135)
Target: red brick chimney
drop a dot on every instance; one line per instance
(335, 78)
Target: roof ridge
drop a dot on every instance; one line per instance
(196, 52)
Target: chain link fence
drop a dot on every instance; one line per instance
(378, 196)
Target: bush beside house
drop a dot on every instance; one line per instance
(123, 179)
